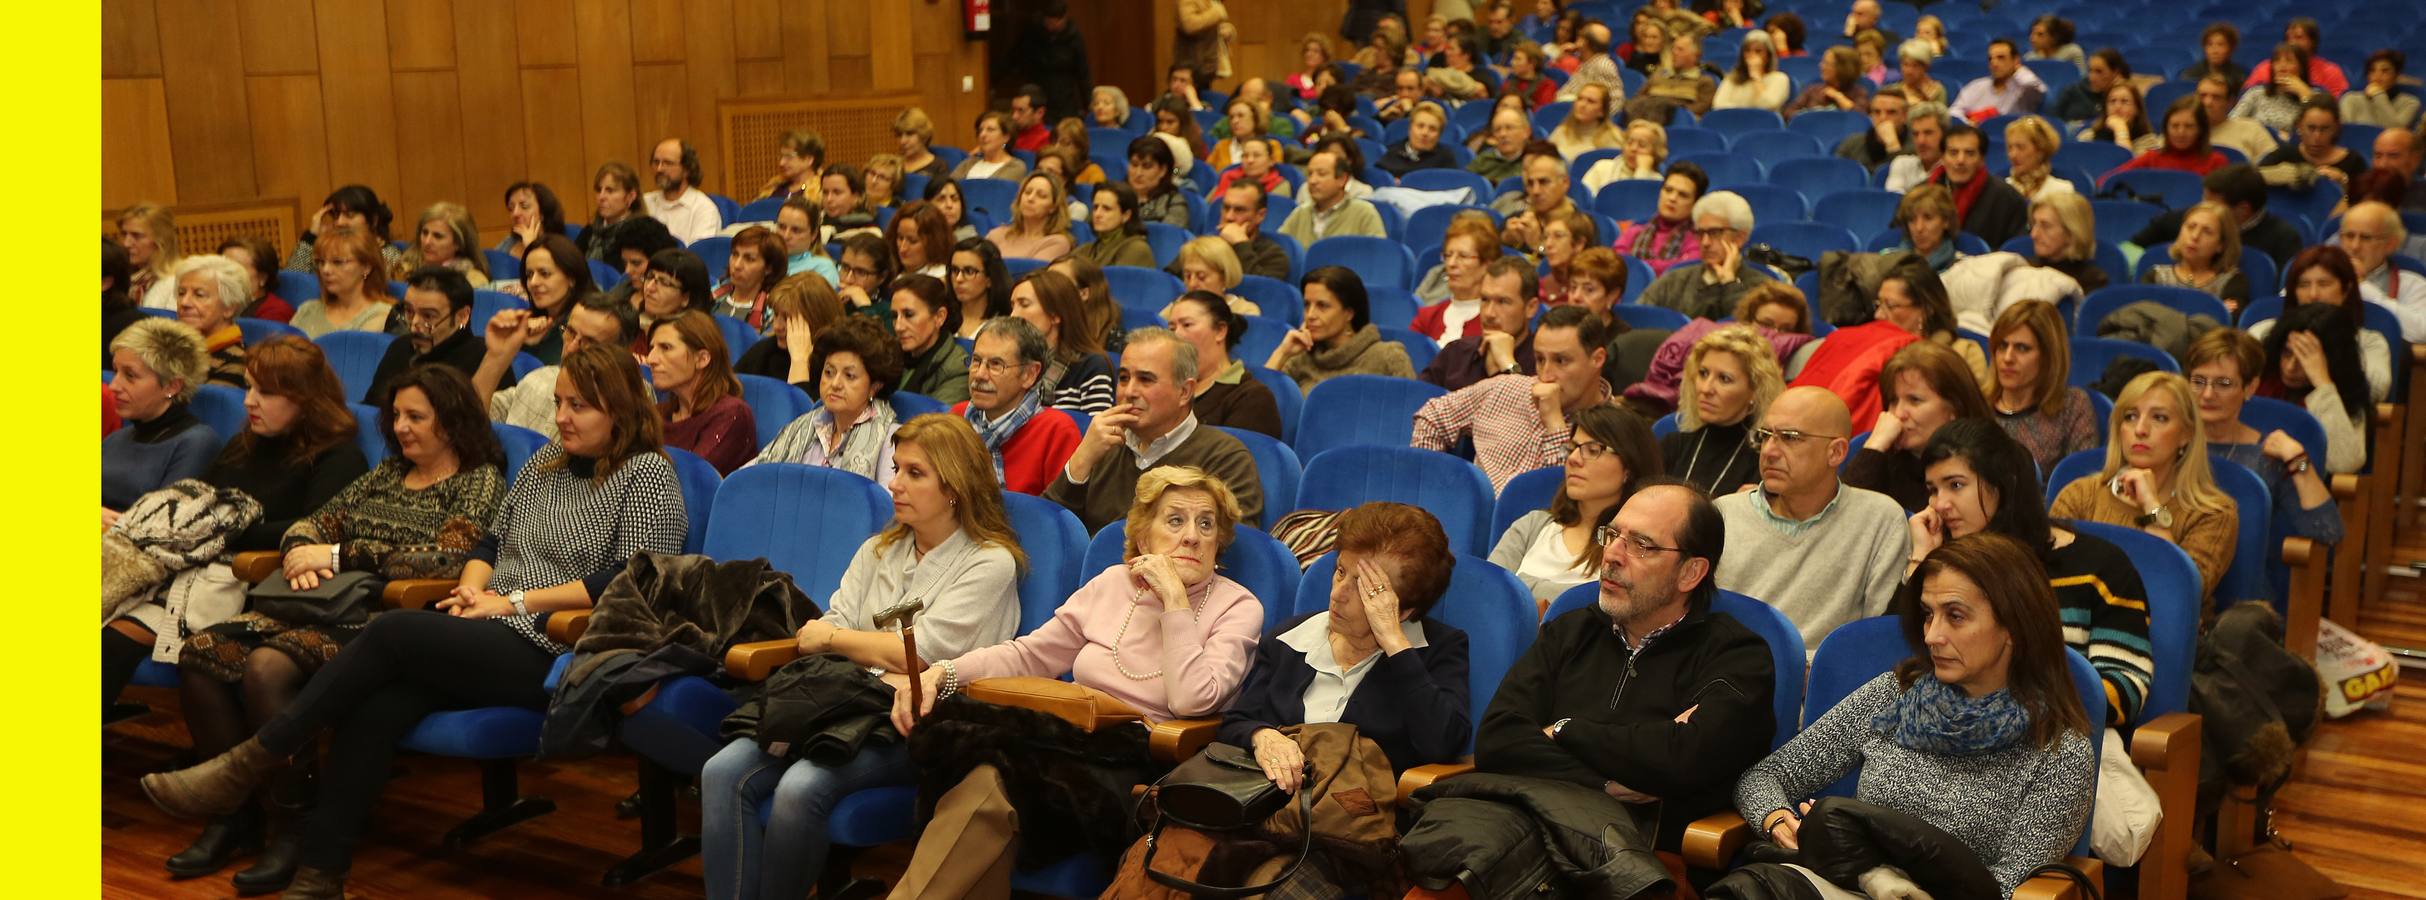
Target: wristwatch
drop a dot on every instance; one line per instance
(2156, 515)
(516, 599)
(2298, 464)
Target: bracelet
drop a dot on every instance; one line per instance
(2298, 464)
(334, 557)
(951, 680)
(1770, 822)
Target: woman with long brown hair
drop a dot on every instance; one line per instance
(2029, 384)
(1922, 387)
(1559, 547)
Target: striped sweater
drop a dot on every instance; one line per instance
(2105, 613)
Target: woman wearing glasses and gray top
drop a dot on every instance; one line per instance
(1559, 547)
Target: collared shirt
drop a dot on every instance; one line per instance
(1327, 696)
(1150, 453)
(689, 217)
(2019, 94)
(1794, 527)
(1619, 628)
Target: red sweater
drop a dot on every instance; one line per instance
(2165, 158)
(1035, 456)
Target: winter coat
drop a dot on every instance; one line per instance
(161, 545)
(1981, 287)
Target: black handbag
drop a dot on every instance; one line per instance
(1223, 790)
(343, 599)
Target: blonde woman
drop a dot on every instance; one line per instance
(1208, 264)
(2157, 479)
(1755, 81)
(1729, 378)
(1587, 126)
(882, 180)
(148, 231)
(1040, 221)
(2063, 237)
(915, 133)
(2206, 256)
(445, 236)
(2030, 145)
(1645, 152)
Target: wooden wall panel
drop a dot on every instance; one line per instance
(290, 141)
(206, 104)
(130, 39)
(758, 78)
(545, 28)
(421, 35)
(805, 48)
(658, 27)
(279, 37)
(851, 75)
(551, 129)
(489, 86)
(757, 29)
(359, 98)
(710, 73)
(430, 126)
(889, 37)
(135, 140)
(660, 110)
(603, 31)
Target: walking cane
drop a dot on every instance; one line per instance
(904, 615)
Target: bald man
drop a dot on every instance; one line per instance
(2397, 149)
(1598, 66)
(1823, 552)
(2371, 234)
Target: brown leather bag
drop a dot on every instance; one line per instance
(1354, 797)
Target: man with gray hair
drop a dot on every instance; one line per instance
(1028, 440)
(2371, 233)
(1708, 289)
(1153, 424)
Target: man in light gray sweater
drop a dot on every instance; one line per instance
(1823, 552)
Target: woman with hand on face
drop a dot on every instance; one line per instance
(1912, 297)
(1979, 733)
(2383, 101)
(703, 409)
(982, 284)
(2326, 275)
(757, 264)
(445, 237)
(1120, 236)
(852, 426)
(2280, 101)
(1225, 394)
(582, 507)
(209, 288)
(1080, 376)
(1374, 659)
(803, 305)
(1980, 480)
(1557, 548)
(925, 315)
(2312, 361)
(2206, 257)
(949, 545)
(2157, 477)
(1730, 378)
(352, 295)
(1339, 337)
(1925, 387)
(350, 210)
(418, 514)
(2030, 388)
(2122, 120)
(532, 213)
(1645, 152)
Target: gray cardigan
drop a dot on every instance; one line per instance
(2017, 808)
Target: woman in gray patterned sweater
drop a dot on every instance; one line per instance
(582, 507)
(1980, 733)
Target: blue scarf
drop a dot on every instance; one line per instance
(1936, 718)
(999, 431)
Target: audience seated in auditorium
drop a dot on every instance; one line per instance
(208, 290)
(1641, 158)
(1823, 552)
(2157, 477)
(1587, 126)
(949, 544)
(676, 282)
(159, 364)
(2031, 389)
(1987, 207)
(2121, 119)
(1926, 219)
(2186, 144)
(1153, 176)
(2312, 361)
(2224, 365)
(637, 242)
(1038, 224)
(261, 260)
(1596, 280)
(865, 266)
(1154, 425)
(1730, 378)
(1754, 82)
(1501, 156)
(1241, 225)
(1225, 394)
(851, 428)
(2217, 43)
(1682, 82)
(678, 202)
(2253, 140)
(1887, 137)
(1926, 386)
(703, 409)
(1840, 85)
(1422, 148)
(583, 506)
(1563, 235)
(1519, 422)
(1979, 733)
(119, 308)
(353, 295)
(2324, 274)
(1207, 264)
(552, 290)
(2206, 256)
(1914, 299)
(991, 157)
(2241, 189)
(1079, 377)
(1504, 345)
(1670, 236)
(2276, 103)
(2009, 88)
(914, 132)
(2396, 151)
(350, 210)
(1556, 548)
(801, 306)
(800, 155)
(2315, 73)
(529, 401)
(925, 316)
(1545, 194)
(148, 234)
(1709, 288)
(1339, 337)
(616, 187)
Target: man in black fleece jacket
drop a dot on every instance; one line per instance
(1647, 695)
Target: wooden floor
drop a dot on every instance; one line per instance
(2357, 812)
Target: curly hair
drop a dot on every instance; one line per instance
(1752, 352)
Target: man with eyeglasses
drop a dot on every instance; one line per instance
(1154, 424)
(1520, 422)
(686, 212)
(1544, 195)
(1511, 295)
(437, 305)
(531, 401)
(1645, 697)
(1708, 289)
(1028, 440)
(1242, 225)
(2371, 233)
(1821, 551)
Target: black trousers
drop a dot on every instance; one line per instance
(120, 657)
(405, 665)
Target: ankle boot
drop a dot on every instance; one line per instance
(216, 787)
(290, 797)
(315, 884)
(221, 841)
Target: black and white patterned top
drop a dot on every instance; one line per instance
(559, 525)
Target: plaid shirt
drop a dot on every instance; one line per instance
(1498, 413)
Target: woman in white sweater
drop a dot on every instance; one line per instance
(1755, 81)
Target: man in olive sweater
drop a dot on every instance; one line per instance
(1154, 424)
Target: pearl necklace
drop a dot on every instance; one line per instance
(1123, 636)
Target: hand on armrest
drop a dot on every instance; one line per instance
(1713, 840)
(416, 593)
(756, 660)
(251, 566)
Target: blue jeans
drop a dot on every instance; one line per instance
(783, 857)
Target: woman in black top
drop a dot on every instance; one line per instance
(1729, 379)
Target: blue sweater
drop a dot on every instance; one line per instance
(143, 457)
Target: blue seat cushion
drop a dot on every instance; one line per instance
(679, 728)
(1079, 875)
(491, 732)
(155, 674)
(876, 816)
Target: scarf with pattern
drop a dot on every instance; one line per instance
(998, 432)
(1937, 718)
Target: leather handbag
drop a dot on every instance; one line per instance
(343, 599)
(1222, 790)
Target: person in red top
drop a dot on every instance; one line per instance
(2185, 148)
(257, 256)
(1029, 441)
(2322, 73)
(1028, 131)
(1525, 78)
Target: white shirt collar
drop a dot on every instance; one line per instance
(1312, 637)
(1149, 454)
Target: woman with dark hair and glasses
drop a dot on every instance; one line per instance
(676, 281)
(1557, 548)
(980, 283)
(1339, 337)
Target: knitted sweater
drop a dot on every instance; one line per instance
(145, 456)
(287, 491)
(2017, 808)
(1106, 636)
(381, 526)
(1111, 487)
(2105, 613)
(2050, 438)
(1844, 564)
(2207, 536)
(1361, 353)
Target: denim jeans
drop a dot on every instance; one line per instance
(783, 857)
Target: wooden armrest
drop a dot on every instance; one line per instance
(2166, 749)
(2167, 743)
(1417, 778)
(2306, 603)
(416, 593)
(1175, 740)
(1076, 704)
(2345, 487)
(566, 626)
(756, 660)
(2057, 887)
(251, 566)
(1713, 840)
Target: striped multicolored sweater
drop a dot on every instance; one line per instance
(2105, 613)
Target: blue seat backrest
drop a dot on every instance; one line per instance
(355, 357)
(1276, 466)
(1278, 299)
(222, 408)
(1286, 396)
(369, 436)
(806, 520)
(1632, 200)
(1257, 561)
(2105, 301)
(258, 330)
(909, 405)
(1452, 489)
(1482, 600)
(502, 265)
(1865, 211)
(486, 303)
(1361, 409)
(1785, 646)
(1637, 315)
(763, 209)
(1140, 288)
(1525, 493)
(2091, 354)
(2118, 220)
(2172, 583)
(2074, 467)
(2269, 415)
(1165, 239)
(699, 483)
(519, 444)
(716, 251)
(1056, 545)
(774, 404)
(1379, 261)
(994, 195)
(296, 287)
(2245, 579)
(737, 336)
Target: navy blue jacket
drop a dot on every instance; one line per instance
(1414, 705)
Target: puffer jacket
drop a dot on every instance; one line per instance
(1981, 287)
(1844, 839)
(1510, 836)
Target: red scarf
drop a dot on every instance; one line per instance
(1963, 194)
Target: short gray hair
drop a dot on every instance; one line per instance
(1928, 110)
(1724, 203)
(1916, 50)
(1032, 346)
(173, 350)
(235, 282)
(1183, 354)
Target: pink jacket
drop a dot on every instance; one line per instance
(1200, 659)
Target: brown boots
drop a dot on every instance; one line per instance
(315, 884)
(216, 787)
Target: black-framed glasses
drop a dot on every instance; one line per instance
(1636, 545)
(1790, 437)
(1588, 451)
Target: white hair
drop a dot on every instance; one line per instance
(234, 281)
(1916, 50)
(1728, 204)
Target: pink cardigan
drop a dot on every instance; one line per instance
(1203, 658)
